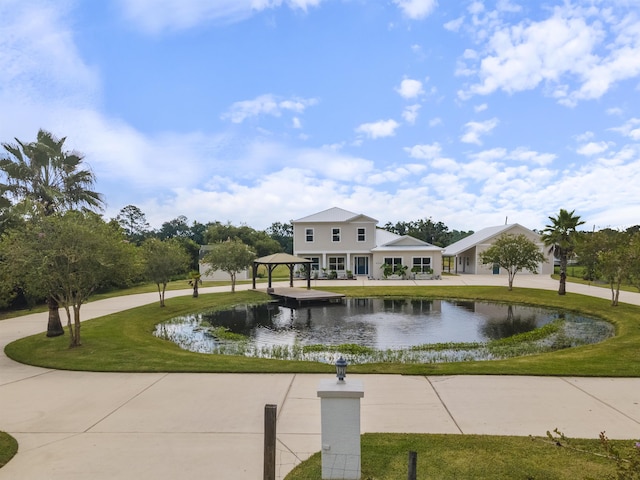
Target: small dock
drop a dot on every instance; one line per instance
(302, 295)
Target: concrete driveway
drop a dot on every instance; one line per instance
(86, 425)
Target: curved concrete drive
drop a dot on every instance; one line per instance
(105, 426)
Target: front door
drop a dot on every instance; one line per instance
(496, 269)
(362, 265)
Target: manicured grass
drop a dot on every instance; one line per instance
(8, 448)
(474, 457)
(123, 341)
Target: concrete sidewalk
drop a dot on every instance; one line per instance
(80, 425)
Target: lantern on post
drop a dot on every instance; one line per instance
(341, 369)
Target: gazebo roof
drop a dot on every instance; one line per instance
(281, 259)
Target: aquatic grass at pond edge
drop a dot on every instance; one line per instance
(278, 331)
(122, 342)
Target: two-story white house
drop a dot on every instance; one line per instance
(339, 240)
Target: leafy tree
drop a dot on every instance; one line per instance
(610, 254)
(191, 248)
(259, 241)
(561, 236)
(47, 177)
(283, 234)
(68, 257)
(634, 259)
(134, 223)
(162, 261)
(427, 230)
(178, 227)
(197, 232)
(514, 253)
(43, 178)
(613, 261)
(231, 256)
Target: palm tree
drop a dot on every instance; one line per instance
(43, 179)
(561, 236)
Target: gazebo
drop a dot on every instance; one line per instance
(272, 261)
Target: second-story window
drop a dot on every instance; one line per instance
(335, 234)
(308, 234)
(362, 236)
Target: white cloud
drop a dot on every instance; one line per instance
(593, 148)
(416, 9)
(382, 128)
(572, 45)
(155, 16)
(265, 105)
(38, 57)
(630, 129)
(480, 108)
(434, 122)
(410, 114)
(410, 88)
(425, 152)
(531, 156)
(474, 130)
(446, 164)
(507, 6)
(454, 25)
(487, 156)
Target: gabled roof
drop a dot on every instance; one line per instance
(334, 214)
(384, 236)
(481, 236)
(388, 241)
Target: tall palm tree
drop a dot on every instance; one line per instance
(561, 237)
(42, 178)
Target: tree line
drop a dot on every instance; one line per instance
(56, 246)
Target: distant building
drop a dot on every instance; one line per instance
(465, 253)
(340, 241)
(217, 275)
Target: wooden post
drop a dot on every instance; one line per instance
(413, 461)
(270, 442)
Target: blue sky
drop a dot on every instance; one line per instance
(257, 111)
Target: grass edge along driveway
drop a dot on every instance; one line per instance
(123, 342)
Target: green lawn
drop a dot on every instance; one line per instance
(8, 448)
(476, 457)
(123, 341)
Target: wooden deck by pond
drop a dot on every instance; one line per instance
(301, 295)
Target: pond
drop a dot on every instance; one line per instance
(384, 330)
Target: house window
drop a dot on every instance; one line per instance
(308, 234)
(336, 263)
(395, 262)
(335, 234)
(362, 234)
(422, 264)
(315, 263)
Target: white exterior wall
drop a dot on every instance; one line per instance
(475, 266)
(219, 275)
(407, 259)
(324, 247)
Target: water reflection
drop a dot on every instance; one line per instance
(381, 324)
